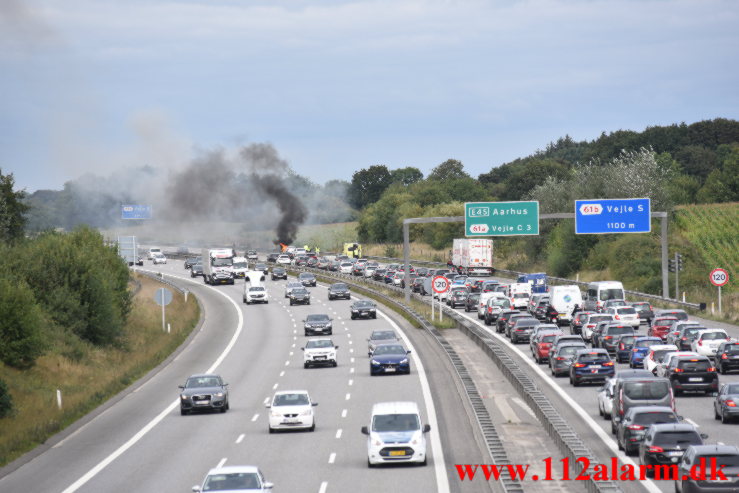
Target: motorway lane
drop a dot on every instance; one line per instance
(177, 452)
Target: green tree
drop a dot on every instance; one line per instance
(12, 209)
(451, 169)
(6, 400)
(407, 176)
(367, 185)
(21, 322)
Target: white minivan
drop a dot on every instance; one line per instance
(600, 291)
(563, 299)
(520, 293)
(395, 434)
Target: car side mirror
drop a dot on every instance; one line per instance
(408, 352)
(336, 347)
(196, 488)
(704, 436)
(302, 349)
(268, 406)
(426, 428)
(182, 387)
(314, 404)
(268, 486)
(365, 431)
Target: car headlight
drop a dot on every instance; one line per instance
(332, 355)
(404, 361)
(354, 310)
(275, 414)
(307, 412)
(375, 362)
(183, 397)
(328, 325)
(219, 394)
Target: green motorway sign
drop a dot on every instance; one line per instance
(501, 218)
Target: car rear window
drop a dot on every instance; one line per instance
(626, 310)
(627, 339)
(599, 318)
(712, 336)
(675, 438)
(520, 295)
(658, 355)
(593, 358)
(645, 390)
(620, 330)
(694, 364)
(641, 305)
(549, 338)
(569, 350)
(654, 417)
(731, 348)
(721, 460)
(678, 315)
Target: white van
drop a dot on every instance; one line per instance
(520, 293)
(152, 251)
(601, 291)
(482, 303)
(563, 299)
(395, 434)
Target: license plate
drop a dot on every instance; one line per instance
(320, 357)
(696, 379)
(397, 452)
(675, 454)
(389, 370)
(595, 367)
(202, 403)
(363, 313)
(290, 420)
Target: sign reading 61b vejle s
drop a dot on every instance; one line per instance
(501, 218)
(601, 216)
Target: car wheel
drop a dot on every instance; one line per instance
(271, 430)
(335, 364)
(291, 302)
(721, 369)
(313, 427)
(308, 302)
(552, 371)
(369, 464)
(223, 409)
(305, 365)
(600, 409)
(183, 412)
(675, 390)
(620, 447)
(724, 418)
(374, 315)
(306, 333)
(575, 382)
(353, 317)
(228, 406)
(716, 415)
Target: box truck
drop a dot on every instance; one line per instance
(473, 256)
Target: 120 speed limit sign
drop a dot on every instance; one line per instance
(719, 277)
(440, 284)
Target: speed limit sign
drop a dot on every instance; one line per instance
(440, 284)
(719, 277)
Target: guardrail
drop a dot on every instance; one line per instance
(566, 439)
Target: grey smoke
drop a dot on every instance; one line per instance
(291, 208)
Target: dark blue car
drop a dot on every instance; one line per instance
(591, 365)
(640, 350)
(390, 358)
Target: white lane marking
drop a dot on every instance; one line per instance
(338, 433)
(171, 407)
(282, 373)
(339, 317)
(274, 386)
(266, 400)
(525, 407)
(332, 458)
(220, 464)
(720, 443)
(348, 396)
(352, 360)
(692, 422)
(287, 363)
(351, 382)
(350, 342)
(256, 416)
(343, 413)
(605, 438)
(351, 370)
(291, 353)
(241, 437)
(293, 344)
(351, 349)
(442, 481)
(323, 487)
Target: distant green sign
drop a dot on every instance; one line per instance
(501, 218)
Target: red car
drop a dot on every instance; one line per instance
(543, 345)
(661, 326)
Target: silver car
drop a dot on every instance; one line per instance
(290, 286)
(381, 337)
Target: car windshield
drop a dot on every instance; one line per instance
(520, 295)
(291, 400)
(569, 350)
(201, 382)
(320, 343)
(611, 294)
(593, 358)
(641, 305)
(502, 302)
(317, 317)
(654, 417)
(346, 264)
(364, 304)
(260, 267)
(258, 288)
(599, 318)
(714, 335)
(299, 291)
(390, 349)
(670, 439)
(395, 422)
(278, 269)
(732, 348)
(627, 340)
(222, 262)
(232, 481)
(240, 265)
(692, 333)
(305, 275)
(549, 338)
(646, 390)
(384, 335)
(294, 284)
(338, 286)
(660, 354)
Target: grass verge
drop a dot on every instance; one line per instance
(87, 375)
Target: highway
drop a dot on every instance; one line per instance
(143, 444)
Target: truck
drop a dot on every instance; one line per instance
(538, 280)
(217, 265)
(564, 299)
(353, 250)
(473, 256)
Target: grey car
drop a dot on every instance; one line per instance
(561, 358)
(196, 270)
(364, 309)
(381, 337)
(299, 296)
(339, 290)
(317, 324)
(279, 273)
(307, 279)
(726, 404)
(204, 392)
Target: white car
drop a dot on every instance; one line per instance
(593, 320)
(152, 251)
(255, 294)
(707, 341)
(319, 351)
(483, 301)
(346, 267)
(158, 258)
(605, 398)
(395, 434)
(370, 269)
(283, 259)
(290, 286)
(655, 355)
(234, 478)
(626, 315)
(291, 409)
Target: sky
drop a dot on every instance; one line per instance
(97, 86)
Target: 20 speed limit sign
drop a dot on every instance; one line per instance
(719, 277)
(440, 284)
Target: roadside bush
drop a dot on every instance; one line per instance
(21, 322)
(6, 401)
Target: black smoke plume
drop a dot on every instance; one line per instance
(293, 212)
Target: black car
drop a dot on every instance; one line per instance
(338, 290)
(317, 324)
(684, 340)
(299, 296)
(364, 309)
(272, 257)
(692, 373)
(279, 273)
(417, 284)
(644, 310)
(727, 357)
(633, 426)
(470, 304)
(307, 279)
(203, 392)
(578, 320)
(312, 262)
(726, 404)
(513, 320)
(665, 444)
(196, 270)
(503, 318)
(422, 271)
(457, 297)
(379, 275)
(715, 457)
(190, 261)
(262, 267)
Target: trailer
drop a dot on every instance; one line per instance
(473, 256)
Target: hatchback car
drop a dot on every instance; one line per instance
(158, 258)
(608, 339)
(692, 373)
(661, 326)
(640, 349)
(591, 365)
(234, 478)
(624, 345)
(578, 320)
(715, 457)
(470, 304)
(665, 444)
(626, 315)
(279, 273)
(290, 410)
(655, 355)
(307, 279)
(196, 270)
(589, 324)
(684, 340)
(458, 297)
(543, 345)
(363, 309)
(203, 392)
(317, 324)
(522, 329)
(319, 351)
(726, 358)
(283, 259)
(339, 290)
(707, 341)
(633, 426)
(390, 358)
(560, 358)
(644, 309)
(503, 319)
